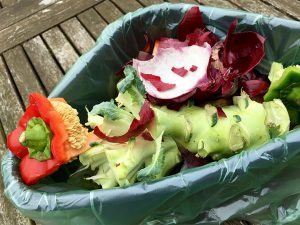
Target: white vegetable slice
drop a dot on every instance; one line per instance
(162, 63)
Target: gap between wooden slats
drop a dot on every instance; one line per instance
(20, 10)
(22, 72)
(60, 47)
(108, 11)
(10, 111)
(93, 22)
(289, 7)
(78, 36)
(41, 21)
(127, 6)
(44, 64)
(258, 7)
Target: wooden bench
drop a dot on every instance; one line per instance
(41, 39)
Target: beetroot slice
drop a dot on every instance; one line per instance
(242, 51)
(137, 126)
(157, 83)
(179, 71)
(191, 20)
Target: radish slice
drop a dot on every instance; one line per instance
(162, 63)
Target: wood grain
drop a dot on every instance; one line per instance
(258, 7)
(289, 7)
(21, 10)
(108, 11)
(183, 1)
(44, 64)
(41, 21)
(22, 73)
(9, 215)
(91, 20)
(61, 48)
(11, 108)
(6, 3)
(150, 2)
(10, 112)
(218, 3)
(78, 35)
(128, 5)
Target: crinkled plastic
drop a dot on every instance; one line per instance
(258, 185)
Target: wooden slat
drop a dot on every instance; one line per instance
(6, 3)
(11, 108)
(60, 47)
(78, 35)
(21, 10)
(22, 72)
(258, 7)
(185, 1)
(108, 11)
(9, 215)
(128, 5)
(218, 3)
(43, 62)
(150, 2)
(10, 112)
(41, 21)
(92, 22)
(290, 7)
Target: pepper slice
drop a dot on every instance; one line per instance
(32, 170)
(62, 151)
(286, 86)
(14, 145)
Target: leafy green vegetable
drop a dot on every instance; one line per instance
(114, 121)
(132, 100)
(165, 158)
(37, 138)
(107, 110)
(285, 85)
(119, 163)
(131, 79)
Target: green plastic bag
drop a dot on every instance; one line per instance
(260, 185)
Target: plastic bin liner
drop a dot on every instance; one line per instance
(258, 185)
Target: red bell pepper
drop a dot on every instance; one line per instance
(31, 169)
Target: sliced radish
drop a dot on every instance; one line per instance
(192, 57)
